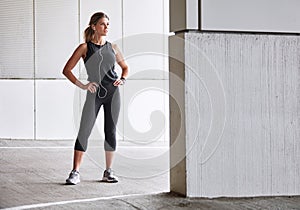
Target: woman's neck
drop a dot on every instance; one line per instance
(100, 41)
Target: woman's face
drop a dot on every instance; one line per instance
(102, 27)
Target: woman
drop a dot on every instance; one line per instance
(99, 57)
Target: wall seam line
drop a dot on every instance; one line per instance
(34, 68)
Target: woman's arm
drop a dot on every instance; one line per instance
(120, 60)
(80, 52)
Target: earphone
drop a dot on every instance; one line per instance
(100, 83)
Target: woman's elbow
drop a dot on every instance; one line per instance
(126, 69)
(65, 72)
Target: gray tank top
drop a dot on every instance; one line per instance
(100, 63)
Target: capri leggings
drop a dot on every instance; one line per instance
(111, 105)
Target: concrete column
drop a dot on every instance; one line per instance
(177, 115)
(183, 15)
(234, 113)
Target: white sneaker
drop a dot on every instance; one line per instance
(109, 177)
(74, 178)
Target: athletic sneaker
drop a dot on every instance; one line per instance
(109, 177)
(74, 177)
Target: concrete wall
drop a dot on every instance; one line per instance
(234, 98)
(38, 37)
(257, 153)
(241, 113)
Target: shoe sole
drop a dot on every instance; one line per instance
(104, 179)
(71, 183)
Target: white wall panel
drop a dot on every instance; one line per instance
(16, 55)
(147, 17)
(56, 36)
(17, 109)
(166, 17)
(145, 111)
(146, 66)
(55, 102)
(146, 55)
(144, 27)
(254, 15)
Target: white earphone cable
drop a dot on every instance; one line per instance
(100, 82)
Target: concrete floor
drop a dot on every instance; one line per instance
(33, 175)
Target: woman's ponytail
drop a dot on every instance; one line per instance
(88, 34)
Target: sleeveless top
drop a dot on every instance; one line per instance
(100, 63)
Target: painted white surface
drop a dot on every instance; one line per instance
(56, 26)
(192, 10)
(55, 101)
(258, 151)
(17, 109)
(16, 55)
(147, 65)
(147, 55)
(145, 111)
(144, 37)
(254, 15)
(146, 17)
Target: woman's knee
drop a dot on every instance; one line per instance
(110, 145)
(80, 145)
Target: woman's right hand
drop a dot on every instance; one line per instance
(91, 86)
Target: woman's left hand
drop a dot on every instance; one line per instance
(118, 82)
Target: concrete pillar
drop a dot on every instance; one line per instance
(177, 115)
(183, 15)
(234, 113)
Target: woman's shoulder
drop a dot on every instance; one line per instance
(115, 47)
(82, 49)
(83, 45)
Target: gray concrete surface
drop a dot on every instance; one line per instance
(33, 175)
(235, 105)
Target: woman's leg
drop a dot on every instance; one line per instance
(74, 176)
(78, 155)
(89, 114)
(109, 156)
(111, 115)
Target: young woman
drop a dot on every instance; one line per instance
(99, 57)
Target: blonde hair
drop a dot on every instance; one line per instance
(89, 32)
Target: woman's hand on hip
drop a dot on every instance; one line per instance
(118, 82)
(91, 86)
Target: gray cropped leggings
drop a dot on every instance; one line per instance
(111, 105)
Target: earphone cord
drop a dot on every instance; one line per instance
(100, 83)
